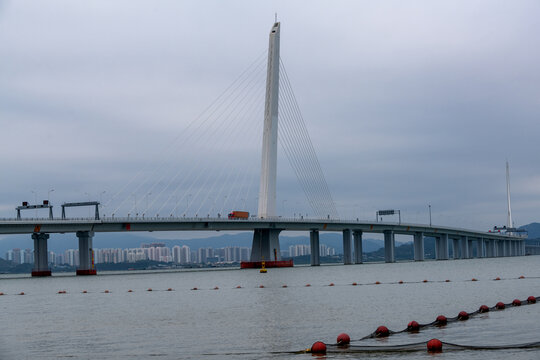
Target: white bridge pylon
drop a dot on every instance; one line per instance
(267, 189)
(265, 244)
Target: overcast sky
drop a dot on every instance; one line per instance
(408, 103)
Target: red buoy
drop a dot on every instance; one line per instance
(441, 320)
(21, 293)
(169, 289)
(497, 278)
(130, 290)
(216, 288)
(516, 302)
(283, 286)
(106, 291)
(522, 277)
(84, 292)
(238, 286)
(413, 326)
(343, 339)
(483, 309)
(446, 280)
(425, 280)
(331, 284)
(194, 288)
(382, 331)
(149, 289)
(463, 315)
(500, 305)
(434, 345)
(474, 279)
(377, 282)
(318, 347)
(400, 282)
(308, 285)
(1, 293)
(354, 284)
(531, 300)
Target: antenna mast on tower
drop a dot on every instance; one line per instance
(509, 224)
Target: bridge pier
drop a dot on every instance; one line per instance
(470, 245)
(509, 249)
(314, 244)
(265, 245)
(464, 244)
(480, 248)
(456, 251)
(357, 238)
(86, 254)
(418, 246)
(41, 255)
(489, 248)
(389, 245)
(347, 249)
(441, 247)
(500, 249)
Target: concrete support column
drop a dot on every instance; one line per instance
(500, 248)
(490, 248)
(347, 248)
(522, 247)
(456, 249)
(470, 245)
(418, 246)
(314, 244)
(41, 255)
(357, 238)
(86, 253)
(389, 244)
(464, 243)
(441, 247)
(508, 249)
(265, 245)
(480, 248)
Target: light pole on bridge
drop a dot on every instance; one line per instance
(429, 206)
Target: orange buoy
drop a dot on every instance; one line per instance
(318, 347)
(377, 282)
(483, 309)
(531, 299)
(446, 280)
(441, 320)
(474, 279)
(413, 326)
(169, 289)
(382, 331)
(522, 277)
(216, 288)
(238, 286)
(331, 284)
(400, 282)
(434, 345)
(516, 302)
(463, 315)
(500, 305)
(425, 280)
(343, 339)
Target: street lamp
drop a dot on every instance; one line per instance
(429, 206)
(49, 194)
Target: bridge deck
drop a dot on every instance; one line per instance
(28, 226)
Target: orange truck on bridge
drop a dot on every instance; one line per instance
(239, 215)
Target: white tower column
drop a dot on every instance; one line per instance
(267, 189)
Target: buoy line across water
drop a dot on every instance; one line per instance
(343, 342)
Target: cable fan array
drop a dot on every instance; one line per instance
(213, 166)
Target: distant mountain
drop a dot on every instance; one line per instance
(61, 242)
(533, 229)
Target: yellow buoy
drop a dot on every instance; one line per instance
(263, 268)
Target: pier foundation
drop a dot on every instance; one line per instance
(347, 248)
(389, 244)
(41, 255)
(357, 238)
(418, 246)
(314, 244)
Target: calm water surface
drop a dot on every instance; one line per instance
(255, 323)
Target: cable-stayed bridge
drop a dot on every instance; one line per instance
(215, 177)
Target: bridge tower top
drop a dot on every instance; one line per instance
(267, 189)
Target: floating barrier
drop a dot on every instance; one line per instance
(343, 339)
